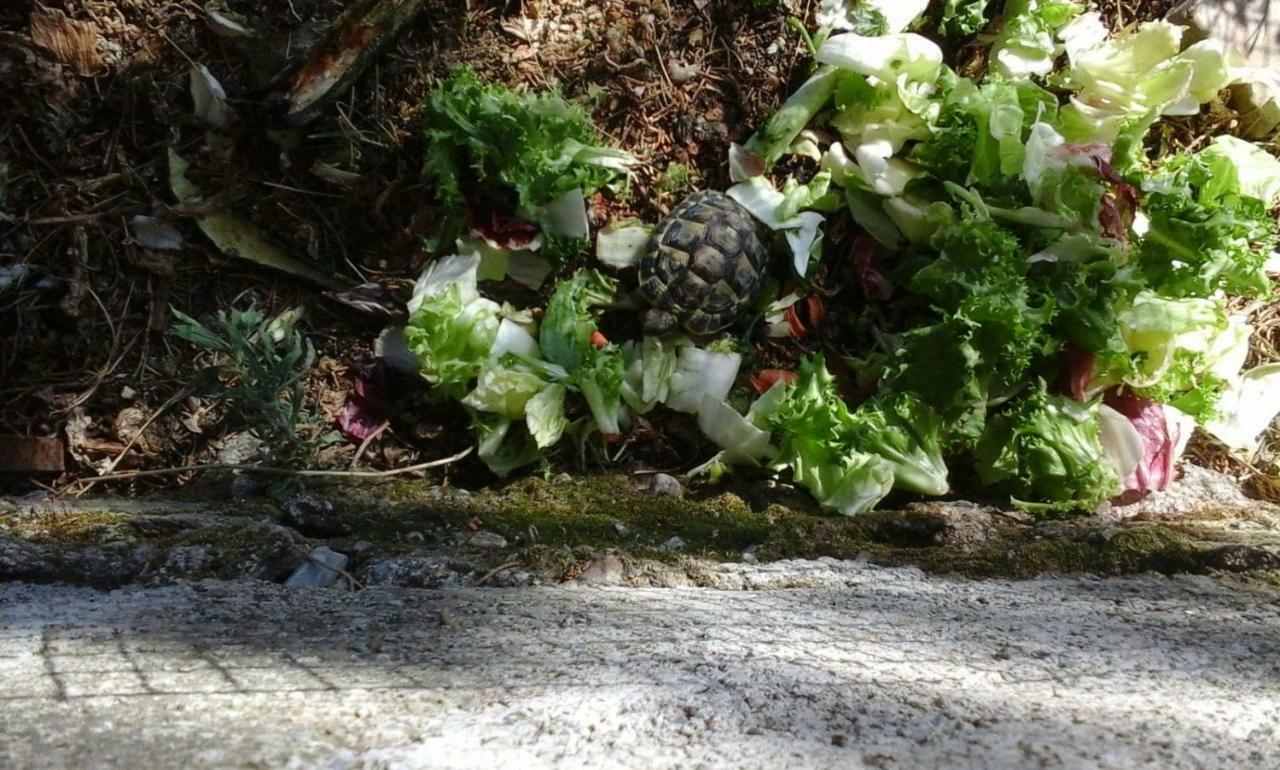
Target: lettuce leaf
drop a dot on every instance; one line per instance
(814, 430)
(1161, 432)
(600, 381)
(537, 146)
(504, 387)
(961, 18)
(1047, 451)
(544, 415)
(451, 327)
(648, 376)
(700, 373)
(1026, 45)
(570, 320)
(741, 442)
(902, 429)
(504, 444)
(1248, 407)
(1123, 83)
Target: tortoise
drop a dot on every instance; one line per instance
(703, 265)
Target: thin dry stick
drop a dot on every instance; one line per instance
(490, 574)
(136, 436)
(365, 444)
(268, 471)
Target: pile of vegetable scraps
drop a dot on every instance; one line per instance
(1045, 312)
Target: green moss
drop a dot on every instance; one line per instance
(599, 511)
(1141, 548)
(71, 527)
(607, 511)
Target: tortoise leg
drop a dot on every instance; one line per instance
(657, 321)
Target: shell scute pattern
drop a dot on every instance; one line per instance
(704, 262)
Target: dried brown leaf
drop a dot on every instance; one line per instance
(71, 41)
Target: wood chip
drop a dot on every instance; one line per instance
(30, 454)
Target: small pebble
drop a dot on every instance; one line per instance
(320, 569)
(664, 485)
(681, 72)
(672, 545)
(314, 516)
(604, 571)
(486, 539)
(620, 528)
(243, 486)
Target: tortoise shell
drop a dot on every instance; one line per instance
(704, 263)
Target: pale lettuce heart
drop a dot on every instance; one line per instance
(884, 57)
(457, 270)
(1247, 408)
(803, 240)
(544, 415)
(1121, 442)
(621, 244)
(699, 373)
(741, 441)
(758, 196)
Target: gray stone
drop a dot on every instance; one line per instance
(21, 560)
(486, 539)
(104, 566)
(672, 545)
(320, 570)
(664, 485)
(189, 560)
(620, 528)
(239, 449)
(1197, 489)
(313, 516)
(604, 571)
(409, 572)
(277, 552)
(244, 486)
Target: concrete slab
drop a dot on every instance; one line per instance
(866, 667)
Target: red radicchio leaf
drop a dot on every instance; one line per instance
(1119, 205)
(866, 270)
(805, 315)
(365, 411)
(765, 379)
(502, 232)
(1083, 154)
(1162, 443)
(370, 298)
(1079, 369)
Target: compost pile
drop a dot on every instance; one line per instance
(1032, 307)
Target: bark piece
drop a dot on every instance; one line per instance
(354, 41)
(30, 454)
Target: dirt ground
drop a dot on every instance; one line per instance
(84, 353)
(86, 153)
